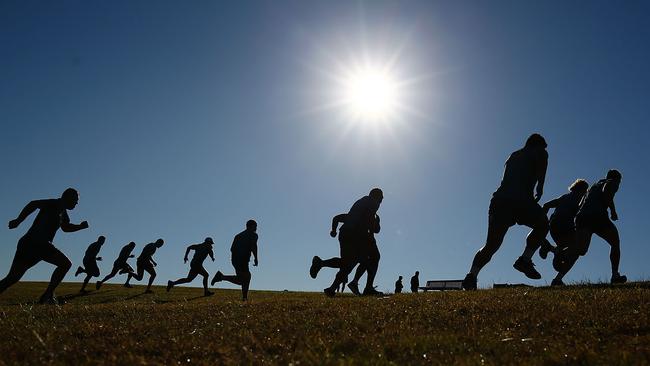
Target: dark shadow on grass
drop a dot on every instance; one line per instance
(79, 294)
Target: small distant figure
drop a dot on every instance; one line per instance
(146, 263)
(399, 285)
(514, 203)
(562, 224)
(201, 252)
(120, 265)
(90, 267)
(415, 282)
(244, 244)
(593, 218)
(36, 245)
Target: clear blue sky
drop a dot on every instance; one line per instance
(181, 120)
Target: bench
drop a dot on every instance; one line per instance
(443, 285)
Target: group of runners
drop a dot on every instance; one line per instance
(37, 245)
(577, 215)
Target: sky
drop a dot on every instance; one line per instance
(183, 120)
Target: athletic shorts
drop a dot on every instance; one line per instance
(353, 245)
(122, 267)
(90, 265)
(241, 266)
(507, 212)
(145, 265)
(196, 269)
(30, 251)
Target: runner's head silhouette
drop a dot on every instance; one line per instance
(131, 245)
(614, 174)
(208, 240)
(376, 194)
(400, 278)
(70, 198)
(579, 186)
(417, 273)
(536, 141)
(101, 239)
(159, 243)
(251, 225)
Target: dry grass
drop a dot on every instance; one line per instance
(575, 325)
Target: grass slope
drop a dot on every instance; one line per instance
(574, 325)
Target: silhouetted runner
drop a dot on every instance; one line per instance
(398, 285)
(120, 265)
(592, 218)
(514, 203)
(36, 245)
(244, 244)
(415, 282)
(201, 252)
(146, 263)
(353, 236)
(369, 262)
(562, 223)
(90, 262)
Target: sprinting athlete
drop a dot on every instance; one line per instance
(514, 203)
(353, 237)
(562, 223)
(36, 245)
(90, 262)
(146, 263)
(369, 251)
(244, 244)
(120, 265)
(593, 218)
(201, 252)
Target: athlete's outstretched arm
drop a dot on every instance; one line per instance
(67, 227)
(27, 210)
(376, 227)
(211, 254)
(336, 220)
(541, 175)
(254, 251)
(187, 252)
(551, 204)
(610, 190)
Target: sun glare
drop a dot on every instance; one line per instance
(370, 94)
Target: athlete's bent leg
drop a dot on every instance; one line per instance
(16, 272)
(63, 265)
(495, 236)
(610, 235)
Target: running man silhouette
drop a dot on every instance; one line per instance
(243, 245)
(398, 285)
(120, 265)
(415, 282)
(369, 253)
(146, 263)
(593, 218)
(201, 252)
(562, 223)
(353, 237)
(36, 245)
(514, 203)
(90, 262)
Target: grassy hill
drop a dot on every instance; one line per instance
(573, 325)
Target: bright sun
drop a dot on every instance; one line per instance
(370, 94)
